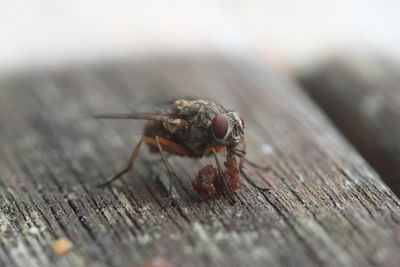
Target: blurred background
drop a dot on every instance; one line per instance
(290, 34)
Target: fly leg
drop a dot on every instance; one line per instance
(131, 161)
(171, 173)
(219, 166)
(242, 168)
(257, 166)
(220, 171)
(243, 159)
(165, 145)
(162, 145)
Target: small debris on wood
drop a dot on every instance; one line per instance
(62, 246)
(157, 262)
(34, 230)
(3, 228)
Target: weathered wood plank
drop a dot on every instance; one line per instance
(362, 96)
(326, 207)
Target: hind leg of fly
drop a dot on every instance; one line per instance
(171, 173)
(131, 161)
(162, 145)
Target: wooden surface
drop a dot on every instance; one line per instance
(325, 207)
(362, 96)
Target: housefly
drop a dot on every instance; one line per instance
(193, 128)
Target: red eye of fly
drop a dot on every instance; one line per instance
(219, 126)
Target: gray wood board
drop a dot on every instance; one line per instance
(325, 207)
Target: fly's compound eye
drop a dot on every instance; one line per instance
(219, 126)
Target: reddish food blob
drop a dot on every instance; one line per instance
(209, 183)
(204, 182)
(219, 126)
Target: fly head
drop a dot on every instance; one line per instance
(228, 128)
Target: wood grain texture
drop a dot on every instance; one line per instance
(362, 96)
(325, 207)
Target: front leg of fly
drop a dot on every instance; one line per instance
(231, 155)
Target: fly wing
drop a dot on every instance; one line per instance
(161, 111)
(158, 111)
(156, 117)
(173, 125)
